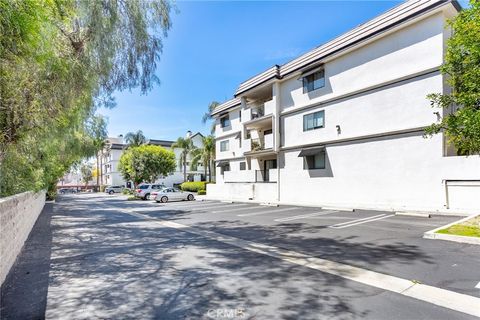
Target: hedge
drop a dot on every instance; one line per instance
(193, 186)
(202, 192)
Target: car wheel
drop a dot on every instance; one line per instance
(111, 192)
(190, 197)
(164, 199)
(146, 196)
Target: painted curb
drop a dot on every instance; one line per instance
(433, 235)
(413, 214)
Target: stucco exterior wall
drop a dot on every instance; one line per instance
(18, 214)
(396, 107)
(412, 49)
(394, 173)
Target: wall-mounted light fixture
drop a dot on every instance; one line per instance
(339, 130)
(439, 117)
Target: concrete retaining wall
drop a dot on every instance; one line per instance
(18, 214)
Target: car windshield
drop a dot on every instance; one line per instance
(145, 186)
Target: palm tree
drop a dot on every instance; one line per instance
(205, 155)
(208, 115)
(187, 147)
(135, 139)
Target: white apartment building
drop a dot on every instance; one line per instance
(342, 125)
(115, 146)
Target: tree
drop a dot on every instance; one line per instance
(145, 163)
(135, 139)
(207, 116)
(461, 124)
(60, 61)
(187, 147)
(205, 155)
(86, 173)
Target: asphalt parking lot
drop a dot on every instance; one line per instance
(379, 241)
(96, 256)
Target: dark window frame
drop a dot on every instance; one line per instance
(244, 165)
(305, 128)
(227, 143)
(225, 121)
(308, 81)
(309, 161)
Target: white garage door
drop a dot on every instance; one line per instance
(463, 194)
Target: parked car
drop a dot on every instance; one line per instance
(144, 190)
(67, 190)
(113, 189)
(168, 194)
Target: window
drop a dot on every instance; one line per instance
(243, 165)
(314, 120)
(314, 81)
(316, 161)
(224, 145)
(225, 167)
(225, 121)
(240, 115)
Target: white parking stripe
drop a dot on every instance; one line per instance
(264, 212)
(304, 216)
(441, 297)
(353, 221)
(232, 210)
(380, 217)
(223, 206)
(195, 203)
(478, 285)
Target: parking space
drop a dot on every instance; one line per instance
(375, 240)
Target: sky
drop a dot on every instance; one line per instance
(215, 45)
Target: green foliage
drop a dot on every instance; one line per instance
(135, 139)
(193, 186)
(202, 192)
(59, 61)
(461, 124)
(145, 163)
(187, 147)
(127, 191)
(86, 172)
(205, 155)
(207, 116)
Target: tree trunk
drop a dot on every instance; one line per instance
(98, 173)
(184, 167)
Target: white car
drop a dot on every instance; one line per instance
(113, 189)
(143, 191)
(172, 194)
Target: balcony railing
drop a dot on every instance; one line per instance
(262, 176)
(264, 143)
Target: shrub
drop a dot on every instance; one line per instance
(102, 188)
(193, 186)
(127, 191)
(202, 192)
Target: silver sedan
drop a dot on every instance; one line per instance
(172, 194)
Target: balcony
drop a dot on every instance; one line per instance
(262, 144)
(269, 175)
(258, 176)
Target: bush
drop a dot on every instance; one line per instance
(193, 186)
(127, 191)
(202, 192)
(102, 188)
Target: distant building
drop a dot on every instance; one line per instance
(109, 159)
